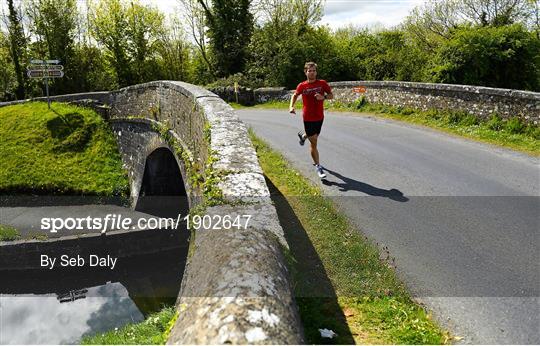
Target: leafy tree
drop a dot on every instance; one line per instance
(230, 26)
(109, 26)
(534, 18)
(174, 52)
(7, 72)
(495, 12)
(431, 23)
(194, 17)
(145, 28)
(130, 35)
(93, 72)
(428, 25)
(500, 57)
(286, 40)
(54, 23)
(17, 42)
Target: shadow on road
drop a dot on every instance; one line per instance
(313, 290)
(349, 184)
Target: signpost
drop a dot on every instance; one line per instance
(45, 69)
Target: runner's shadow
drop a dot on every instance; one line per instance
(314, 292)
(351, 184)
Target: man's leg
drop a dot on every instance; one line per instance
(313, 148)
(315, 155)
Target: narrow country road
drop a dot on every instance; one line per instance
(462, 219)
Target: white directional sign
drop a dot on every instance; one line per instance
(45, 74)
(38, 61)
(45, 67)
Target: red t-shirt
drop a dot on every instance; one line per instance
(313, 109)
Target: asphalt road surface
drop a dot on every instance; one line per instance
(461, 218)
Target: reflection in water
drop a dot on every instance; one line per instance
(60, 306)
(52, 307)
(45, 320)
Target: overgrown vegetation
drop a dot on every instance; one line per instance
(115, 43)
(8, 233)
(152, 331)
(340, 281)
(64, 150)
(202, 177)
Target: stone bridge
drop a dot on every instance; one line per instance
(168, 130)
(180, 139)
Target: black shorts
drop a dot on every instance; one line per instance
(313, 127)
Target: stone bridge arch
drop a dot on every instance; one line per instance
(153, 167)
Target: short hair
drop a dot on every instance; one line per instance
(308, 65)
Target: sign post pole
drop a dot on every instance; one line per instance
(45, 69)
(47, 86)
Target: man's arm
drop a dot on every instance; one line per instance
(329, 95)
(293, 101)
(326, 93)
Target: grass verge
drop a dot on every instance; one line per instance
(340, 282)
(152, 331)
(8, 233)
(511, 133)
(65, 149)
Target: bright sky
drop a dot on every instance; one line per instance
(340, 13)
(388, 13)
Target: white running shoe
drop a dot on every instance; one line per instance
(320, 171)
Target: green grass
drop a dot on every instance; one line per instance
(64, 150)
(340, 282)
(8, 233)
(510, 133)
(152, 331)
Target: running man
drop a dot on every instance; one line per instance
(314, 91)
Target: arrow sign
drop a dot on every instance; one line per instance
(38, 61)
(45, 67)
(44, 74)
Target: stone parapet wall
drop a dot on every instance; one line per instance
(236, 286)
(479, 101)
(249, 97)
(267, 94)
(242, 95)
